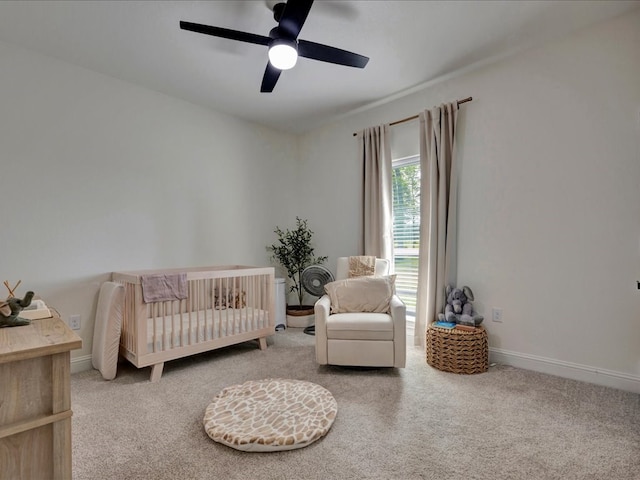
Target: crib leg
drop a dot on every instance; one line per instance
(156, 372)
(262, 343)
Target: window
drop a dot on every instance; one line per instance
(406, 229)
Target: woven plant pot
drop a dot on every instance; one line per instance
(300, 316)
(458, 351)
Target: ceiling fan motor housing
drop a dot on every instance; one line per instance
(278, 9)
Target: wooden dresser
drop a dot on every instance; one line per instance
(35, 400)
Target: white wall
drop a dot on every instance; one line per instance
(98, 175)
(549, 198)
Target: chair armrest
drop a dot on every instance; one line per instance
(322, 310)
(398, 312)
(397, 308)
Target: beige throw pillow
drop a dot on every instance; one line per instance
(361, 294)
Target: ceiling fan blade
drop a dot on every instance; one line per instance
(294, 16)
(325, 53)
(271, 75)
(225, 33)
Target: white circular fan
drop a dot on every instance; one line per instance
(314, 278)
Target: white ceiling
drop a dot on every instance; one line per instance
(409, 43)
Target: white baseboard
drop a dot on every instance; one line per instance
(574, 371)
(80, 364)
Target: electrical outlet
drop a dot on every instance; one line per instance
(496, 314)
(74, 322)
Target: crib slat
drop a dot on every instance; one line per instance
(175, 315)
(202, 322)
(243, 305)
(189, 295)
(140, 322)
(229, 330)
(154, 308)
(255, 294)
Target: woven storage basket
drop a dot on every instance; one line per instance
(458, 351)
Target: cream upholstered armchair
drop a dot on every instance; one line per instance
(375, 337)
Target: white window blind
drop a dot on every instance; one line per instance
(406, 229)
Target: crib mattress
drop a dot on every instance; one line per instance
(178, 330)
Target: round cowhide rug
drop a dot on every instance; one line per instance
(270, 415)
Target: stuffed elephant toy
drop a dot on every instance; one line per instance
(459, 307)
(11, 308)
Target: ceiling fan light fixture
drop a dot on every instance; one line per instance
(282, 42)
(283, 54)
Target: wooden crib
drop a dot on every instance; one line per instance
(225, 305)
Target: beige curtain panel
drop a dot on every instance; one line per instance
(375, 154)
(438, 212)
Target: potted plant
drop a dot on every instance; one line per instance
(295, 253)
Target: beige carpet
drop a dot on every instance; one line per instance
(415, 423)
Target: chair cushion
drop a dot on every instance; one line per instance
(360, 326)
(342, 267)
(361, 294)
(362, 266)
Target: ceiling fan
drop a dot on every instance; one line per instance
(284, 45)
